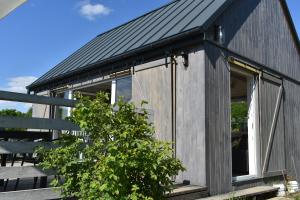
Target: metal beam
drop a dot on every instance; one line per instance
(36, 123)
(26, 98)
(22, 147)
(23, 172)
(25, 135)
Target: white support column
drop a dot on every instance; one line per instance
(113, 91)
(66, 111)
(69, 95)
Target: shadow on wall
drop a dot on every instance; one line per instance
(233, 21)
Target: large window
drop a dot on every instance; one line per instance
(116, 88)
(244, 120)
(61, 111)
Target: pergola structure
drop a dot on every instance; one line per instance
(7, 6)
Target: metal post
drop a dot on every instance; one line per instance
(3, 163)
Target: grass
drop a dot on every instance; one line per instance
(296, 196)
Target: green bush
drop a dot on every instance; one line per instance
(239, 114)
(121, 160)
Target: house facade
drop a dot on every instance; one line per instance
(222, 81)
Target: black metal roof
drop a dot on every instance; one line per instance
(173, 19)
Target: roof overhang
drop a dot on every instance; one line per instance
(159, 48)
(7, 6)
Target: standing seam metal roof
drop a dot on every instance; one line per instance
(172, 19)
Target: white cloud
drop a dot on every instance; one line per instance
(92, 11)
(17, 84)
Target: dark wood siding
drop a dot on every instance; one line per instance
(218, 137)
(151, 82)
(292, 127)
(270, 95)
(190, 117)
(257, 30)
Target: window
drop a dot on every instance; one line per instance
(124, 88)
(114, 88)
(93, 89)
(64, 112)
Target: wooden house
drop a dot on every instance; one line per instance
(222, 78)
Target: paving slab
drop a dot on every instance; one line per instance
(255, 191)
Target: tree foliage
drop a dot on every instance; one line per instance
(120, 158)
(15, 113)
(239, 113)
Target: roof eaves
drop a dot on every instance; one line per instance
(197, 30)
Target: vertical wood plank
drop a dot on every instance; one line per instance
(272, 130)
(154, 86)
(190, 117)
(217, 104)
(272, 127)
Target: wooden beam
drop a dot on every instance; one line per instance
(243, 65)
(22, 147)
(23, 172)
(272, 131)
(153, 64)
(36, 123)
(25, 135)
(26, 98)
(36, 194)
(275, 173)
(271, 78)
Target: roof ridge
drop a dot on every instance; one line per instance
(136, 18)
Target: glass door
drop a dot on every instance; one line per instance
(244, 123)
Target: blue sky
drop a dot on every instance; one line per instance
(40, 34)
